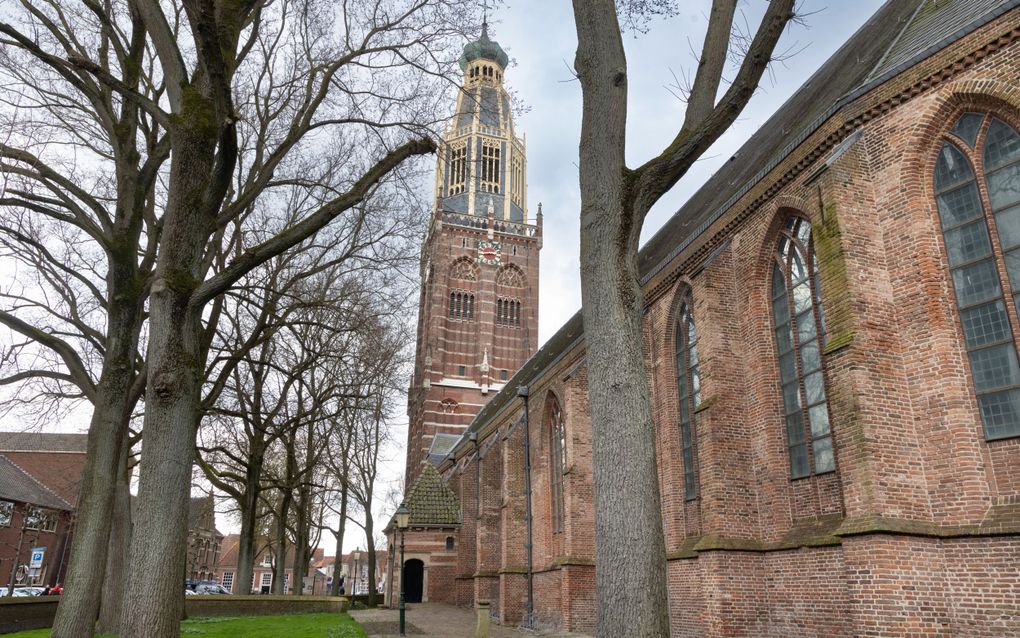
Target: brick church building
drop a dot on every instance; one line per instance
(831, 339)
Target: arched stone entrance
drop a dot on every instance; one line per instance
(414, 580)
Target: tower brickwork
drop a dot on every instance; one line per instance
(478, 309)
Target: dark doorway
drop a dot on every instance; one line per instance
(414, 577)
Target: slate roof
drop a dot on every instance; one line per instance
(43, 442)
(900, 34)
(18, 485)
(431, 501)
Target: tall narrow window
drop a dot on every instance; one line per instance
(557, 462)
(490, 166)
(517, 188)
(991, 145)
(689, 390)
(800, 338)
(458, 169)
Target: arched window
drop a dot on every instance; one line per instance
(689, 390)
(983, 147)
(557, 461)
(800, 338)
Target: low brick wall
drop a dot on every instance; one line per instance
(197, 606)
(19, 614)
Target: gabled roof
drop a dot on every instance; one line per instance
(43, 442)
(899, 35)
(18, 485)
(431, 501)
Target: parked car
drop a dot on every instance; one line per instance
(21, 592)
(210, 588)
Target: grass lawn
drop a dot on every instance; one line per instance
(289, 625)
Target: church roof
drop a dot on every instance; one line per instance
(485, 48)
(431, 501)
(899, 35)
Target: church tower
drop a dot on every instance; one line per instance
(478, 311)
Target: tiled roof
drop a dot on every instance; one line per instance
(42, 442)
(18, 485)
(900, 34)
(431, 501)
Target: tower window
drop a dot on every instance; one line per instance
(490, 166)
(800, 339)
(508, 312)
(502, 375)
(458, 169)
(993, 147)
(517, 182)
(461, 371)
(462, 305)
(449, 543)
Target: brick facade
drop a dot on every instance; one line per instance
(916, 530)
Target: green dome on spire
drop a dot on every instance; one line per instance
(483, 48)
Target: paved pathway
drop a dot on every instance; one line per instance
(439, 620)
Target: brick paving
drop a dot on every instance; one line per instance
(439, 620)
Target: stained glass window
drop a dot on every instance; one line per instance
(689, 391)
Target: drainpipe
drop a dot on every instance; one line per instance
(473, 437)
(522, 391)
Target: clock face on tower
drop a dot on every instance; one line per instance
(489, 252)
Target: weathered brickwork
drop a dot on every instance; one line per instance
(915, 531)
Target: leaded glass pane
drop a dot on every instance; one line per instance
(778, 284)
(823, 456)
(781, 311)
(1000, 413)
(815, 388)
(967, 127)
(794, 428)
(803, 231)
(819, 418)
(810, 360)
(976, 283)
(959, 206)
(685, 436)
(798, 270)
(684, 416)
(784, 338)
(801, 297)
(995, 367)
(1004, 186)
(805, 327)
(1008, 223)
(692, 332)
(1002, 145)
(798, 461)
(952, 168)
(692, 355)
(787, 368)
(696, 388)
(968, 243)
(791, 397)
(985, 324)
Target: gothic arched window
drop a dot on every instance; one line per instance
(800, 339)
(557, 461)
(983, 147)
(689, 390)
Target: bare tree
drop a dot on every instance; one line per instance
(81, 163)
(629, 546)
(266, 90)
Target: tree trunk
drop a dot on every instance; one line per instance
(118, 558)
(249, 513)
(79, 606)
(338, 564)
(630, 558)
(369, 527)
(159, 545)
